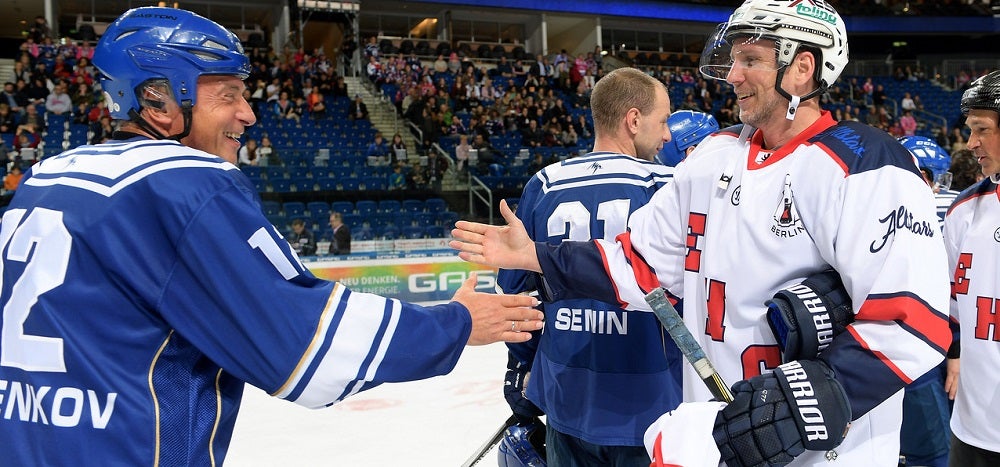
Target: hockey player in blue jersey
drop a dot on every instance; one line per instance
(754, 210)
(600, 374)
(142, 286)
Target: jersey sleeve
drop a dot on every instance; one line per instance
(239, 293)
(620, 271)
(869, 234)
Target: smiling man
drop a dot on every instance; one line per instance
(755, 209)
(142, 286)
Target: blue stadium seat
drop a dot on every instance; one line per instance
(366, 208)
(361, 234)
(280, 185)
(294, 209)
(389, 206)
(353, 221)
(413, 231)
(326, 184)
(413, 206)
(434, 231)
(343, 207)
(252, 171)
(348, 184)
(318, 209)
(389, 232)
(447, 220)
(424, 219)
(435, 205)
(271, 208)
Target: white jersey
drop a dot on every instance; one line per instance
(739, 223)
(972, 239)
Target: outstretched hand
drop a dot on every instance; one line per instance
(507, 247)
(495, 318)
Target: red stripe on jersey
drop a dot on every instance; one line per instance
(881, 356)
(645, 278)
(971, 196)
(915, 314)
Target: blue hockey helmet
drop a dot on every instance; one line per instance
(517, 449)
(928, 153)
(175, 45)
(687, 128)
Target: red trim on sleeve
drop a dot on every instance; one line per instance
(929, 324)
(881, 356)
(644, 275)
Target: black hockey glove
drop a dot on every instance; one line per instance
(513, 390)
(776, 416)
(805, 317)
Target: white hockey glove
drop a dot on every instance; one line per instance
(805, 317)
(683, 436)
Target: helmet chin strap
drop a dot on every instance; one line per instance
(995, 178)
(793, 101)
(142, 123)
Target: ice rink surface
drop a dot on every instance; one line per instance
(435, 422)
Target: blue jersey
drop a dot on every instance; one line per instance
(600, 373)
(142, 286)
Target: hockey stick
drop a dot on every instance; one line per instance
(672, 322)
(489, 444)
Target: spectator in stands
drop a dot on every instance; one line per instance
(283, 107)
(317, 105)
(907, 103)
(462, 152)
(301, 239)
(268, 154)
(568, 138)
(27, 136)
(435, 169)
(38, 90)
(377, 151)
(958, 142)
(248, 154)
(908, 124)
(12, 179)
(440, 64)
(485, 152)
(965, 170)
(39, 30)
(879, 96)
(58, 101)
(340, 244)
(102, 129)
(8, 121)
(532, 136)
(357, 110)
(9, 96)
(397, 150)
(396, 181)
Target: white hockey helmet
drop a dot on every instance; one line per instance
(792, 25)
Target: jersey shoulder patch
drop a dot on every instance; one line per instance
(860, 148)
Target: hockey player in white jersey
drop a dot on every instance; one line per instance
(972, 239)
(757, 208)
(142, 286)
(631, 370)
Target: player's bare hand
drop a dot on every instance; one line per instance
(951, 377)
(495, 318)
(507, 247)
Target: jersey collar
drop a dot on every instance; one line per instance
(824, 121)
